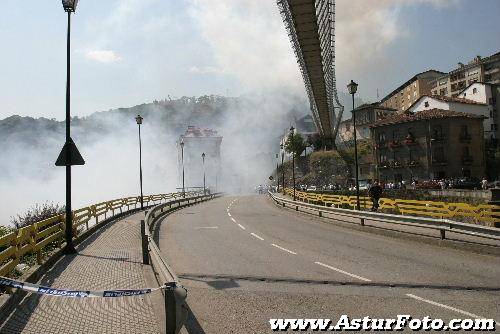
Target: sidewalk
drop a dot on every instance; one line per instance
(109, 259)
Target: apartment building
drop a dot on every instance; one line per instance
(405, 95)
(477, 70)
(429, 144)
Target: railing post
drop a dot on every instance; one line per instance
(170, 316)
(442, 233)
(320, 214)
(144, 237)
(362, 222)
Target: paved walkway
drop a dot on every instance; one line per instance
(109, 259)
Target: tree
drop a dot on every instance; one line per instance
(295, 143)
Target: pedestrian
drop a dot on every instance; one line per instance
(375, 193)
(484, 183)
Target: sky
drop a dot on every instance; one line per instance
(127, 52)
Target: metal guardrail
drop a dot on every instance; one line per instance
(442, 225)
(32, 239)
(176, 310)
(485, 213)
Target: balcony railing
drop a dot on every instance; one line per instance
(438, 138)
(410, 141)
(440, 162)
(394, 143)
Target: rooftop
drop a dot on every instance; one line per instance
(194, 131)
(423, 115)
(415, 77)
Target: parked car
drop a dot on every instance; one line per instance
(311, 188)
(494, 184)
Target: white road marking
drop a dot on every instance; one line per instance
(234, 221)
(229, 214)
(472, 315)
(207, 227)
(242, 227)
(284, 249)
(343, 272)
(258, 237)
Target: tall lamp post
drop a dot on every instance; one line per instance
(277, 174)
(139, 119)
(69, 155)
(353, 87)
(204, 187)
(292, 129)
(282, 168)
(182, 161)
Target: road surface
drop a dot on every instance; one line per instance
(245, 261)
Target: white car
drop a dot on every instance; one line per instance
(311, 188)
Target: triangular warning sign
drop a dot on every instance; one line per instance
(69, 156)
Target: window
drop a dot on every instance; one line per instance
(443, 82)
(439, 154)
(443, 91)
(415, 93)
(395, 135)
(426, 104)
(494, 127)
(474, 90)
(437, 132)
(465, 151)
(415, 84)
(464, 130)
(381, 137)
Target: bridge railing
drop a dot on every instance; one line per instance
(484, 214)
(440, 224)
(34, 238)
(176, 311)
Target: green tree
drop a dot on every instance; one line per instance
(295, 143)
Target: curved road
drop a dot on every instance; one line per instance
(245, 260)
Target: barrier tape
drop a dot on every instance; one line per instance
(43, 290)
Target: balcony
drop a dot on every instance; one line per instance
(396, 164)
(440, 162)
(438, 138)
(394, 143)
(380, 145)
(465, 138)
(409, 141)
(412, 163)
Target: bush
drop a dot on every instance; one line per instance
(36, 213)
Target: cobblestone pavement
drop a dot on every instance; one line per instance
(109, 259)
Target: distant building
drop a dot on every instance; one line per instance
(428, 102)
(196, 142)
(405, 95)
(477, 70)
(488, 94)
(366, 115)
(429, 144)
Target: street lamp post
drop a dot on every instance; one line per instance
(282, 168)
(139, 119)
(69, 7)
(353, 87)
(182, 160)
(204, 186)
(277, 174)
(292, 129)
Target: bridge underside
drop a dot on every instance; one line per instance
(310, 25)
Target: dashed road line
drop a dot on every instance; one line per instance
(207, 227)
(242, 227)
(258, 237)
(234, 221)
(344, 272)
(229, 214)
(284, 249)
(472, 315)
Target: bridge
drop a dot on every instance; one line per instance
(311, 29)
(243, 260)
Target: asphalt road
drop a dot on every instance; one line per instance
(244, 261)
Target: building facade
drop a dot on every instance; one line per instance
(477, 70)
(405, 95)
(428, 102)
(488, 94)
(366, 115)
(196, 142)
(429, 144)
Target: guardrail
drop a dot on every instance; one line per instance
(176, 310)
(442, 225)
(486, 214)
(32, 239)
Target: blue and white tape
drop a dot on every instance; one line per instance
(43, 290)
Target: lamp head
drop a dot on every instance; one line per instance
(292, 129)
(139, 119)
(182, 143)
(352, 87)
(203, 155)
(69, 5)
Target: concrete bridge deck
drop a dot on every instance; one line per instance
(111, 258)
